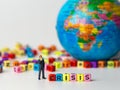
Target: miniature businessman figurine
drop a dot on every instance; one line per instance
(41, 67)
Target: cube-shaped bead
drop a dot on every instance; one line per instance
(66, 77)
(21, 52)
(30, 59)
(52, 77)
(87, 77)
(36, 67)
(87, 64)
(110, 64)
(7, 63)
(51, 68)
(16, 63)
(73, 77)
(73, 63)
(59, 77)
(51, 60)
(46, 60)
(17, 69)
(11, 56)
(1, 68)
(80, 64)
(45, 52)
(23, 67)
(46, 66)
(116, 63)
(94, 64)
(25, 62)
(30, 66)
(101, 64)
(58, 53)
(80, 77)
(58, 65)
(66, 63)
(34, 52)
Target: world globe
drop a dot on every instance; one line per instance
(90, 29)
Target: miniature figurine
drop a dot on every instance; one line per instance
(41, 67)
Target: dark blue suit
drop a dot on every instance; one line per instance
(41, 68)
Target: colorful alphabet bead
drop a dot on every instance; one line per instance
(59, 77)
(58, 65)
(80, 64)
(52, 77)
(116, 63)
(73, 77)
(110, 64)
(66, 63)
(73, 63)
(101, 64)
(51, 60)
(94, 64)
(51, 68)
(36, 67)
(16, 63)
(66, 77)
(7, 63)
(23, 67)
(87, 77)
(1, 68)
(87, 64)
(17, 69)
(30, 66)
(80, 77)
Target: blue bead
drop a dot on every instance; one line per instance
(36, 67)
(59, 77)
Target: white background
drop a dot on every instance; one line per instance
(33, 22)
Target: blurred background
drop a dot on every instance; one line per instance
(29, 22)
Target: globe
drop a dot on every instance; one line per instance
(90, 29)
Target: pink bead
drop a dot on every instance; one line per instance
(17, 69)
(73, 77)
(87, 77)
(46, 66)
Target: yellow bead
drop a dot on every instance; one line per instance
(46, 60)
(110, 64)
(80, 64)
(18, 45)
(58, 65)
(7, 63)
(58, 53)
(23, 67)
(45, 52)
(66, 77)
(30, 66)
(15, 51)
(80, 77)
(5, 49)
(21, 52)
(30, 59)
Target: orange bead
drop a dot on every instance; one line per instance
(66, 63)
(16, 63)
(116, 63)
(41, 47)
(101, 64)
(53, 48)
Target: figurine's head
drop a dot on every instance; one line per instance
(40, 57)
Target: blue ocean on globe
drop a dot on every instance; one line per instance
(90, 29)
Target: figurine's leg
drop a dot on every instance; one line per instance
(43, 74)
(39, 74)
